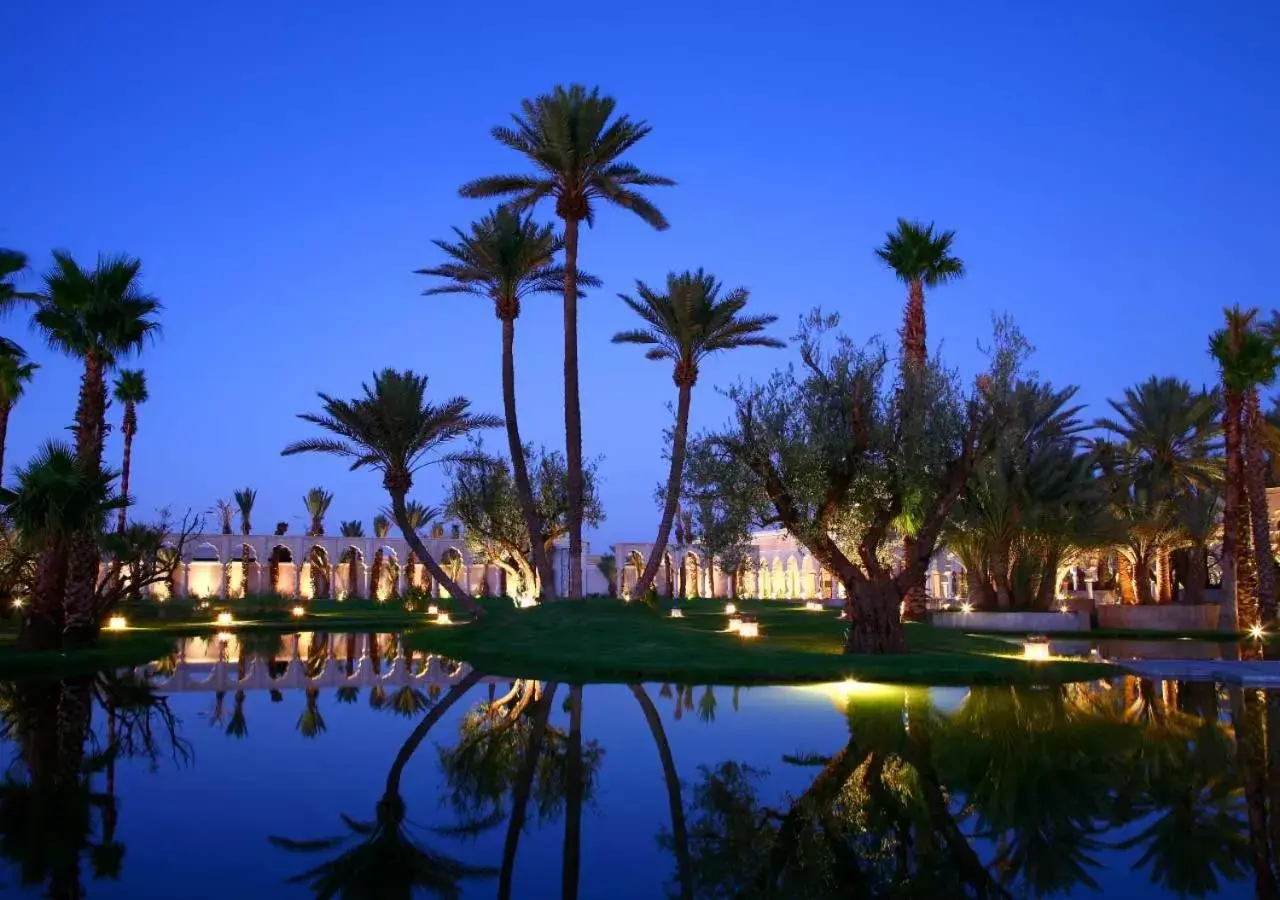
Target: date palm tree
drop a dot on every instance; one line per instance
(1248, 359)
(98, 315)
(130, 391)
(920, 258)
(507, 257)
(245, 498)
(576, 152)
(381, 528)
(393, 428)
(1224, 345)
(16, 372)
(685, 325)
(317, 501)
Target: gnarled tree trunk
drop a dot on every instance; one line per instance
(875, 622)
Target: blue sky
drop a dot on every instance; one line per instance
(1109, 169)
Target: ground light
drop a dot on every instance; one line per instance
(117, 623)
(730, 609)
(433, 610)
(749, 628)
(966, 607)
(1036, 649)
(299, 611)
(813, 606)
(1257, 632)
(225, 618)
(17, 603)
(735, 622)
(442, 618)
(677, 613)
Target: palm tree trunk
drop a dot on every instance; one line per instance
(678, 444)
(415, 542)
(572, 860)
(914, 347)
(1229, 617)
(917, 604)
(90, 412)
(42, 626)
(419, 733)
(572, 407)
(1164, 569)
(1246, 720)
(126, 463)
(80, 625)
(521, 790)
(679, 831)
(519, 466)
(244, 571)
(5, 409)
(1256, 483)
(375, 576)
(1197, 578)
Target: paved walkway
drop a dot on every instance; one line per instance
(1248, 674)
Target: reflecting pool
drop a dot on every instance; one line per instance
(333, 765)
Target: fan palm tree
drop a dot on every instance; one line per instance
(386, 860)
(576, 152)
(507, 257)
(16, 373)
(1248, 360)
(11, 263)
(381, 528)
(685, 325)
(245, 498)
(393, 428)
(99, 315)
(130, 391)
(56, 500)
(920, 258)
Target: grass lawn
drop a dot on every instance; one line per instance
(604, 640)
(114, 651)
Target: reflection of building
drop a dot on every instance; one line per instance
(211, 566)
(779, 567)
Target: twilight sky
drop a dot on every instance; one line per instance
(1109, 168)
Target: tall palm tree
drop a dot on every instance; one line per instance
(317, 501)
(507, 257)
(685, 325)
(576, 152)
(381, 528)
(1224, 345)
(670, 778)
(99, 315)
(130, 391)
(16, 373)
(393, 428)
(920, 258)
(245, 498)
(56, 501)
(1248, 360)
(11, 263)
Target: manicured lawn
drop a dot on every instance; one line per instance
(602, 640)
(131, 648)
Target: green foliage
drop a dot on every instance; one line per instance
(102, 311)
(245, 498)
(351, 528)
(16, 372)
(915, 253)
(56, 496)
(131, 387)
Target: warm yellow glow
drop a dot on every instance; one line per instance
(224, 637)
(1257, 632)
(524, 601)
(225, 618)
(299, 612)
(966, 607)
(117, 623)
(1064, 609)
(813, 606)
(735, 623)
(433, 610)
(748, 629)
(1035, 650)
(677, 613)
(730, 609)
(17, 603)
(443, 619)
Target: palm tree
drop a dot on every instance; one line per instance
(11, 263)
(130, 390)
(670, 778)
(393, 428)
(99, 315)
(56, 501)
(245, 498)
(1248, 360)
(15, 374)
(577, 154)
(381, 528)
(685, 325)
(507, 257)
(1224, 346)
(317, 501)
(607, 565)
(353, 528)
(919, 258)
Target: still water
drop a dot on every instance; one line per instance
(332, 766)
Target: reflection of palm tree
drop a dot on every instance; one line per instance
(237, 727)
(675, 805)
(311, 723)
(386, 860)
(574, 788)
(522, 789)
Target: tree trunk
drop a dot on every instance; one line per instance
(1229, 617)
(1124, 579)
(675, 804)
(1142, 579)
(672, 500)
(1246, 720)
(42, 625)
(1047, 590)
(1198, 577)
(90, 412)
(1164, 575)
(521, 790)
(572, 860)
(914, 348)
(415, 542)
(917, 606)
(1256, 485)
(375, 576)
(80, 625)
(572, 407)
(419, 733)
(519, 466)
(876, 625)
(74, 712)
(5, 409)
(129, 429)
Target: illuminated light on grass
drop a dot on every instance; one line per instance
(433, 610)
(813, 606)
(735, 622)
(1036, 649)
(225, 618)
(299, 611)
(442, 618)
(749, 630)
(117, 623)
(677, 613)
(730, 609)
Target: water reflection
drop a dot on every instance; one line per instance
(990, 792)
